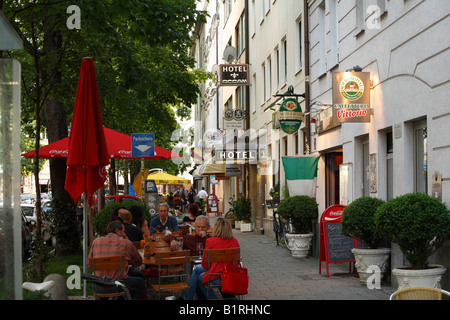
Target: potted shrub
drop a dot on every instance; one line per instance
(231, 219)
(358, 220)
(299, 211)
(242, 209)
(419, 224)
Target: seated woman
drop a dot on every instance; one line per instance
(192, 214)
(222, 238)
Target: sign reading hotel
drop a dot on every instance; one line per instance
(234, 75)
(290, 116)
(351, 97)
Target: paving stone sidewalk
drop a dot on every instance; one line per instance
(275, 275)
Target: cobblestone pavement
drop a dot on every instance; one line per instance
(275, 275)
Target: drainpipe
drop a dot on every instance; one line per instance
(247, 101)
(307, 76)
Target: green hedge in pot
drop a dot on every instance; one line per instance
(299, 210)
(417, 222)
(358, 220)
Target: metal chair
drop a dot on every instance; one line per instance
(419, 293)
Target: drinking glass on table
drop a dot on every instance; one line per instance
(200, 249)
(180, 243)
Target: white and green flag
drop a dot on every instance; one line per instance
(301, 175)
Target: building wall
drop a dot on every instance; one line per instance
(408, 59)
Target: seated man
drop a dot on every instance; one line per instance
(115, 244)
(163, 220)
(133, 233)
(190, 241)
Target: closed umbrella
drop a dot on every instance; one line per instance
(88, 153)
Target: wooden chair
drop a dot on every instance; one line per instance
(184, 229)
(117, 264)
(419, 293)
(232, 255)
(172, 282)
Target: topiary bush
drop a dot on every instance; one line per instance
(299, 210)
(417, 222)
(101, 218)
(358, 220)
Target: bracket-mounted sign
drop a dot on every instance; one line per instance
(290, 116)
(234, 75)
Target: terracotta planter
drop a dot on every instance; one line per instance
(365, 258)
(430, 277)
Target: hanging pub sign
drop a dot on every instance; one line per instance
(290, 116)
(234, 75)
(351, 97)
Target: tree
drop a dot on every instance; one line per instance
(140, 51)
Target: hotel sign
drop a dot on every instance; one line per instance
(234, 75)
(351, 97)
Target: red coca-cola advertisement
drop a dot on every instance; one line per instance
(334, 246)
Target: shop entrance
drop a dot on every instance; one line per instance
(332, 162)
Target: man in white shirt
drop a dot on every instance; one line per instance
(202, 194)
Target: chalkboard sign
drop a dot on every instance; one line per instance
(338, 247)
(334, 246)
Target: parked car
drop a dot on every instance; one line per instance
(121, 198)
(29, 212)
(26, 234)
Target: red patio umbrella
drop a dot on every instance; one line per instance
(118, 144)
(88, 153)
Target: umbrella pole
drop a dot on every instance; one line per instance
(85, 242)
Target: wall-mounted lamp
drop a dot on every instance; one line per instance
(320, 106)
(355, 69)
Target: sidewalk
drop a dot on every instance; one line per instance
(275, 275)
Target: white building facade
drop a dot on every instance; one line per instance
(404, 47)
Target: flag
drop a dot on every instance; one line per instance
(301, 175)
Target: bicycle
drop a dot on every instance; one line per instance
(281, 226)
(230, 210)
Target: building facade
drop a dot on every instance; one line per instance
(302, 47)
(403, 146)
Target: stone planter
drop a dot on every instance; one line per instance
(237, 224)
(246, 227)
(299, 244)
(430, 277)
(364, 258)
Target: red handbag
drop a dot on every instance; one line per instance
(234, 280)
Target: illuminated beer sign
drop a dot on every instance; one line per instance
(351, 97)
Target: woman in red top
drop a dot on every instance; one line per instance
(222, 238)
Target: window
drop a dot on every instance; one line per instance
(253, 18)
(240, 35)
(277, 56)
(253, 98)
(227, 8)
(420, 157)
(269, 65)
(299, 46)
(264, 82)
(389, 165)
(322, 64)
(284, 74)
